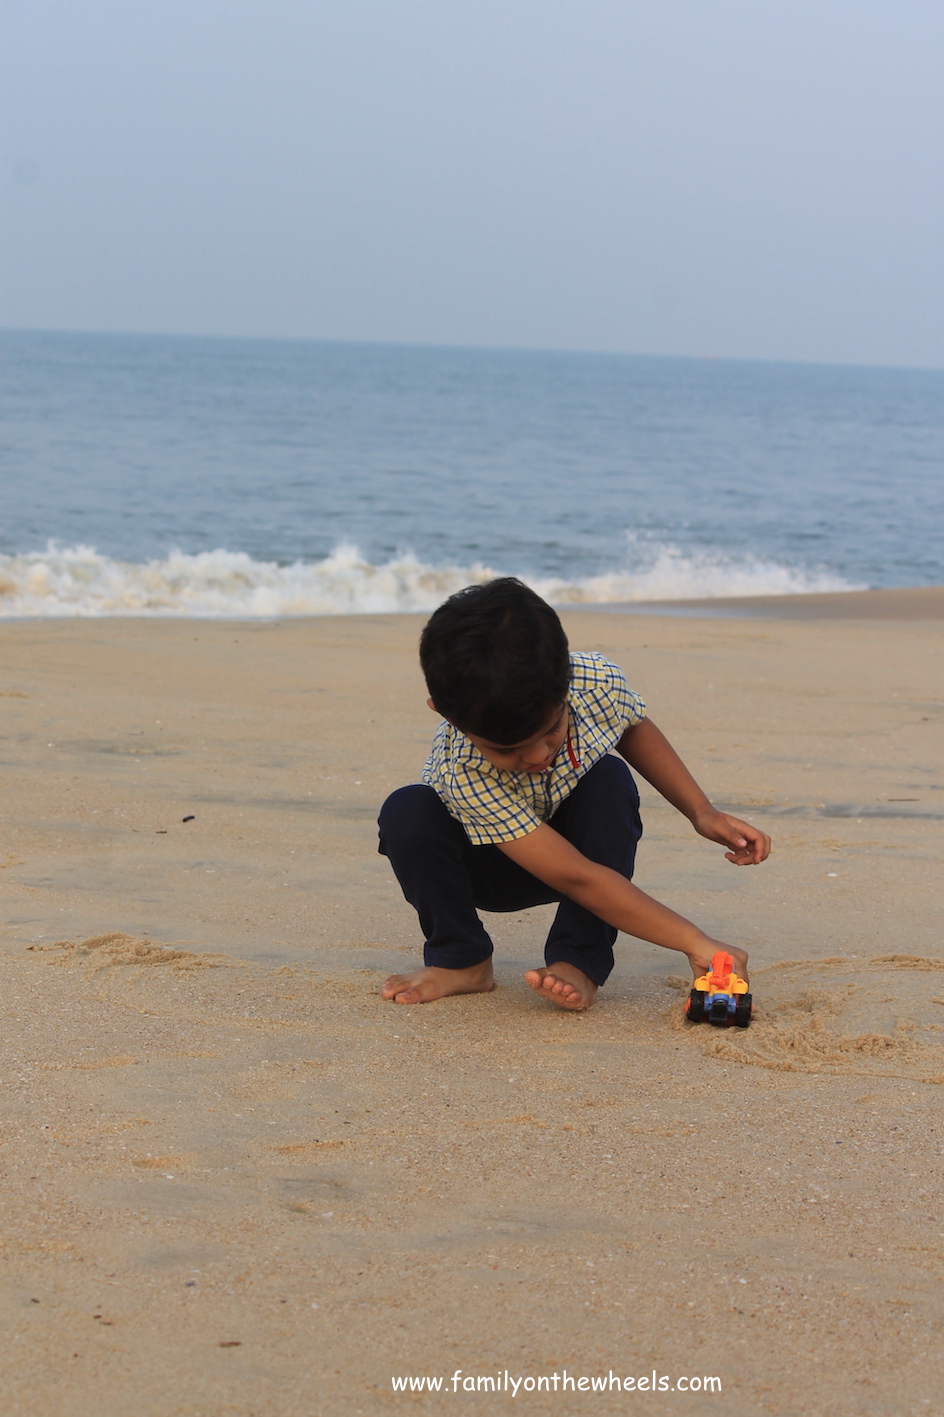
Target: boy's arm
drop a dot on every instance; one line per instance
(607, 894)
(647, 750)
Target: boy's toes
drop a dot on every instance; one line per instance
(574, 992)
(401, 989)
(407, 996)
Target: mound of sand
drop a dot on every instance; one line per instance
(866, 1018)
(103, 951)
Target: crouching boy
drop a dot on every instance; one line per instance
(524, 802)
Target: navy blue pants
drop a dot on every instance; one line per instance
(446, 879)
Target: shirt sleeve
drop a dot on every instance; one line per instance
(633, 707)
(616, 706)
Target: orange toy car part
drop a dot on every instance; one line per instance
(721, 996)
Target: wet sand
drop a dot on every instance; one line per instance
(236, 1182)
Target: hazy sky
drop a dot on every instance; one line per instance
(730, 177)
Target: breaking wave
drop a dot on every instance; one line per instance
(79, 581)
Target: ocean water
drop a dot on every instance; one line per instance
(210, 477)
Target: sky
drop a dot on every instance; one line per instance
(737, 178)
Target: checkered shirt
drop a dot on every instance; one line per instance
(494, 805)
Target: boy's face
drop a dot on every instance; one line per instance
(533, 755)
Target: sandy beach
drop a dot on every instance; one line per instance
(236, 1182)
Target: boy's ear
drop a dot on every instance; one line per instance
(430, 704)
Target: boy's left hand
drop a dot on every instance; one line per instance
(749, 846)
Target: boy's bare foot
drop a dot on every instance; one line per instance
(430, 982)
(564, 985)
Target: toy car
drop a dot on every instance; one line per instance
(720, 996)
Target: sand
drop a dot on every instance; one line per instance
(236, 1182)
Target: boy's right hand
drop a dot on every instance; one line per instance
(749, 846)
(701, 962)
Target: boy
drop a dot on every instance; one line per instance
(523, 803)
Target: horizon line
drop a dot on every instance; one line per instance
(706, 358)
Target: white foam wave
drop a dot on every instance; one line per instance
(78, 581)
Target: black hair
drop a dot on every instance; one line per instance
(496, 660)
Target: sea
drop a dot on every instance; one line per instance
(173, 476)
